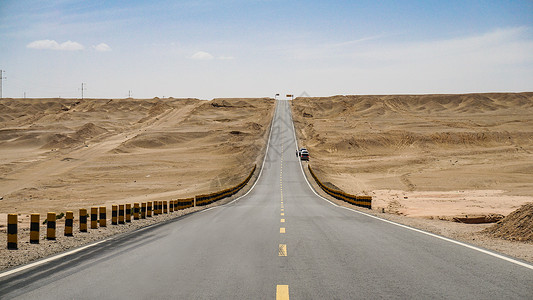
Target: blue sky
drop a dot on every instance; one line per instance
(254, 48)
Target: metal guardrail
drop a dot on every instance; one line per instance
(121, 214)
(206, 199)
(363, 201)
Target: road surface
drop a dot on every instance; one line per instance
(281, 240)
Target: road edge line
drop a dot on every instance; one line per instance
(52, 258)
(488, 252)
(260, 171)
(60, 255)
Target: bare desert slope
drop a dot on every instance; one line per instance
(431, 156)
(66, 154)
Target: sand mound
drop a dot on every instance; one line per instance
(154, 140)
(254, 126)
(222, 102)
(373, 106)
(158, 108)
(155, 110)
(87, 131)
(10, 134)
(20, 138)
(59, 141)
(517, 226)
(63, 140)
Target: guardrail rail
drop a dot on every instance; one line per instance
(362, 201)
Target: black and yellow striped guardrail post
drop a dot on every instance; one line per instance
(83, 220)
(136, 211)
(143, 210)
(114, 214)
(156, 208)
(165, 207)
(35, 219)
(94, 217)
(149, 209)
(69, 222)
(103, 216)
(51, 226)
(364, 201)
(171, 206)
(128, 212)
(121, 214)
(12, 234)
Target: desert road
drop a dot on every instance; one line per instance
(280, 240)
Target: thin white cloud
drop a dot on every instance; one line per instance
(496, 60)
(53, 45)
(102, 47)
(201, 55)
(509, 45)
(349, 43)
(501, 46)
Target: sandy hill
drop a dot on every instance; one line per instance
(60, 154)
(518, 225)
(434, 156)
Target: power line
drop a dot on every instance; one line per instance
(83, 89)
(1, 82)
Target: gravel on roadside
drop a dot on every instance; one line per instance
(27, 252)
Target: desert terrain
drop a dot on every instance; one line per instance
(65, 154)
(427, 157)
(424, 156)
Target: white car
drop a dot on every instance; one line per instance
(304, 154)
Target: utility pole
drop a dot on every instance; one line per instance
(1, 79)
(82, 89)
(129, 94)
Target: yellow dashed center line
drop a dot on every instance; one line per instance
(282, 250)
(282, 292)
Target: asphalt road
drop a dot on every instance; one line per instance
(279, 240)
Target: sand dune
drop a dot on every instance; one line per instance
(64, 154)
(432, 156)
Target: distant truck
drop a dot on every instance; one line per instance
(303, 154)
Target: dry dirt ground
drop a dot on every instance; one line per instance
(428, 157)
(65, 154)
